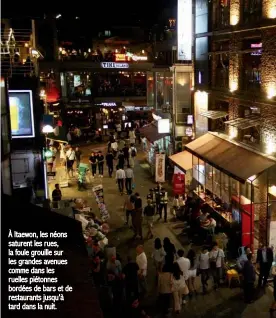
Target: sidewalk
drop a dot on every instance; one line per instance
(224, 303)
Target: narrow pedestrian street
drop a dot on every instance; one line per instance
(225, 302)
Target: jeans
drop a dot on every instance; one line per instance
(161, 207)
(165, 300)
(264, 273)
(128, 184)
(142, 285)
(121, 185)
(100, 167)
(77, 163)
(204, 275)
(216, 273)
(94, 169)
(248, 291)
(110, 170)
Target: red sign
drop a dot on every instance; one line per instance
(179, 183)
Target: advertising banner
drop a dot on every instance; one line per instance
(21, 113)
(99, 195)
(160, 167)
(178, 182)
(184, 30)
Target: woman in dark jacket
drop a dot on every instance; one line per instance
(170, 252)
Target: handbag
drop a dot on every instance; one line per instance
(185, 290)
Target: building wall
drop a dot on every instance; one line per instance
(237, 96)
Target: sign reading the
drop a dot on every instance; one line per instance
(114, 65)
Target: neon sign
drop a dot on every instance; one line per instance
(108, 104)
(114, 65)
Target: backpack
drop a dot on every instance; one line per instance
(133, 152)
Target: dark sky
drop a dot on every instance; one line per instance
(98, 12)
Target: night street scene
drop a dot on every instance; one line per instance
(139, 150)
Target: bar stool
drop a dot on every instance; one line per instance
(232, 274)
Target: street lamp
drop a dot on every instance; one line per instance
(47, 129)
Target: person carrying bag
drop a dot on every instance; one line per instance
(179, 287)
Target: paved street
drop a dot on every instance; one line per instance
(224, 303)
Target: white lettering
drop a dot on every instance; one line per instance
(114, 65)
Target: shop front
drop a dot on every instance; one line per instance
(155, 143)
(236, 184)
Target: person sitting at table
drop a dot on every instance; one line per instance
(208, 226)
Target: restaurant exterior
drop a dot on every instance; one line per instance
(155, 143)
(238, 185)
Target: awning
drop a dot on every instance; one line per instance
(228, 157)
(214, 114)
(184, 160)
(244, 123)
(150, 131)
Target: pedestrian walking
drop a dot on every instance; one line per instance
(100, 162)
(179, 287)
(164, 289)
(56, 196)
(114, 148)
(120, 179)
(249, 277)
(93, 162)
(149, 213)
(130, 272)
(184, 265)
(158, 255)
(78, 154)
(142, 262)
(121, 159)
(129, 178)
(70, 157)
(163, 205)
(109, 158)
(126, 154)
(170, 250)
(203, 267)
(129, 206)
(216, 264)
(264, 261)
(192, 271)
(137, 216)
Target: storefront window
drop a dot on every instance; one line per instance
(183, 97)
(216, 182)
(168, 89)
(150, 89)
(159, 90)
(78, 84)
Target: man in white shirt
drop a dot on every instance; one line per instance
(71, 157)
(120, 179)
(216, 264)
(129, 178)
(184, 264)
(142, 262)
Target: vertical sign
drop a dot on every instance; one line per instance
(184, 30)
(200, 106)
(160, 167)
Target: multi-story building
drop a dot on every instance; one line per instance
(234, 155)
(109, 73)
(22, 111)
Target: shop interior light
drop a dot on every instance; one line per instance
(58, 16)
(272, 190)
(47, 129)
(252, 178)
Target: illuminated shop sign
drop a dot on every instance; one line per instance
(136, 57)
(119, 57)
(114, 65)
(184, 30)
(108, 104)
(256, 46)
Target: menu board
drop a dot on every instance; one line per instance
(99, 195)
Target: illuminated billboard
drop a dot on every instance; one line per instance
(184, 30)
(21, 113)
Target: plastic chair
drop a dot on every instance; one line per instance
(231, 275)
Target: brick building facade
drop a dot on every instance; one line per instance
(235, 64)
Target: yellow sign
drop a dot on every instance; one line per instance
(14, 114)
(120, 57)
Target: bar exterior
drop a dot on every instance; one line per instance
(237, 184)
